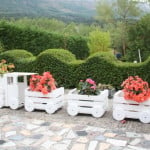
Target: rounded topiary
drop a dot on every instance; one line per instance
(61, 54)
(12, 56)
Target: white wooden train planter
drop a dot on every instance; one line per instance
(12, 86)
(130, 109)
(49, 102)
(87, 104)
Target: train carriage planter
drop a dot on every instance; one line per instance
(50, 102)
(130, 109)
(12, 89)
(87, 104)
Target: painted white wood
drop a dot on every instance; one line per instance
(87, 104)
(50, 102)
(12, 91)
(130, 109)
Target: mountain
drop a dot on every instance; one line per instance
(66, 10)
(69, 10)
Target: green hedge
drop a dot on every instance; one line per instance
(102, 67)
(35, 41)
(13, 55)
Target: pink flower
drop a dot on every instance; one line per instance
(93, 87)
(90, 81)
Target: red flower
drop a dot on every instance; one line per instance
(44, 84)
(136, 89)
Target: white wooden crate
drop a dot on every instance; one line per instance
(87, 104)
(130, 109)
(49, 102)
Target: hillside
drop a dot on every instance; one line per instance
(68, 10)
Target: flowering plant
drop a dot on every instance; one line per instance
(44, 83)
(88, 87)
(136, 89)
(4, 68)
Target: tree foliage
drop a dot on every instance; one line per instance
(139, 37)
(98, 41)
(119, 14)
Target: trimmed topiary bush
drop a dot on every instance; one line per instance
(36, 41)
(13, 55)
(101, 67)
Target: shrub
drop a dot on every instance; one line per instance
(35, 41)
(101, 67)
(13, 55)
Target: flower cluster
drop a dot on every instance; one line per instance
(4, 67)
(88, 87)
(44, 83)
(136, 89)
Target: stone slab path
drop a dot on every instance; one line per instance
(22, 133)
(21, 130)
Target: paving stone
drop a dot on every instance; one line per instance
(2, 142)
(28, 148)
(16, 137)
(79, 127)
(116, 142)
(45, 124)
(59, 147)
(147, 136)
(37, 122)
(90, 128)
(120, 132)
(56, 138)
(40, 129)
(28, 141)
(71, 135)
(136, 148)
(92, 135)
(48, 133)
(7, 128)
(132, 135)
(31, 126)
(9, 144)
(64, 131)
(135, 141)
(145, 144)
(78, 147)
(25, 132)
(37, 136)
(82, 139)
(67, 142)
(108, 134)
(92, 145)
(7, 134)
(81, 133)
(104, 146)
(100, 138)
(115, 148)
(48, 144)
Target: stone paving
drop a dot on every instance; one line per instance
(21, 130)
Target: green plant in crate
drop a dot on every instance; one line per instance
(88, 87)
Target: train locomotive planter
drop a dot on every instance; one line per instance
(50, 102)
(87, 104)
(12, 87)
(130, 109)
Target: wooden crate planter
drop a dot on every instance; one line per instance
(130, 109)
(49, 102)
(12, 90)
(87, 104)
